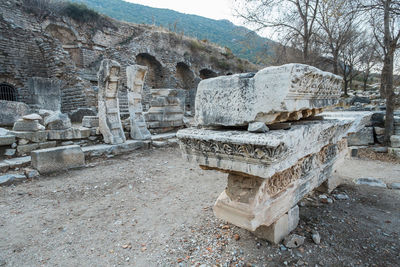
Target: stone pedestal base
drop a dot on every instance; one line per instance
(277, 231)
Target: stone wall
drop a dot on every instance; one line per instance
(61, 49)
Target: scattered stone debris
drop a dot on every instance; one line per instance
(370, 182)
(293, 241)
(316, 237)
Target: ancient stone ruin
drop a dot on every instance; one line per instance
(109, 117)
(268, 173)
(135, 78)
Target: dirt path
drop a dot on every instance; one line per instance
(151, 208)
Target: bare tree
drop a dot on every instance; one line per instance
(385, 20)
(350, 58)
(291, 19)
(337, 23)
(370, 58)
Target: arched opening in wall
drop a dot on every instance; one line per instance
(155, 76)
(8, 92)
(184, 76)
(207, 74)
(185, 80)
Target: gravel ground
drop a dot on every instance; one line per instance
(152, 208)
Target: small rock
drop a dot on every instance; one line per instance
(394, 186)
(236, 237)
(32, 117)
(23, 141)
(159, 143)
(316, 237)
(341, 197)
(257, 127)
(282, 247)
(370, 182)
(293, 241)
(10, 178)
(31, 173)
(14, 145)
(10, 152)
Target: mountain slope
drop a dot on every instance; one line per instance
(243, 42)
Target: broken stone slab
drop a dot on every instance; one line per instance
(90, 121)
(27, 126)
(370, 182)
(10, 152)
(14, 163)
(110, 124)
(36, 137)
(364, 137)
(256, 154)
(274, 94)
(32, 117)
(26, 149)
(136, 75)
(394, 186)
(69, 134)
(57, 121)
(9, 179)
(257, 127)
(104, 149)
(57, 159)
(6, 140)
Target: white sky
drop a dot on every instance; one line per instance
(214, 9)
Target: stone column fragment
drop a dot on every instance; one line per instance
(136, 75)
(109, 116)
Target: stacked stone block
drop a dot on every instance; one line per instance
(166, 113)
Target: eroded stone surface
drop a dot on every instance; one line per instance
(109, 116)
(135, 79)
(57, 159)
(274, 94)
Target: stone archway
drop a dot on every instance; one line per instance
(155, 75)
(207, 74)
(184, 76)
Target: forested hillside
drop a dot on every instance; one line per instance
(243, 42)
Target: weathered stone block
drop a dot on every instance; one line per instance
(395, 141)
(11, 111)
(363, 137)
(277, 231)
(45, 93)
(6, 140)
(69, 134)
(57, 159)
(57, 121)
(274, 94)
(27, 126)
(26, 149)
(36, 137)
(90, 121)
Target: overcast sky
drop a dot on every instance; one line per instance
(214, 9)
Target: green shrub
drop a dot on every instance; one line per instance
(80, 13)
